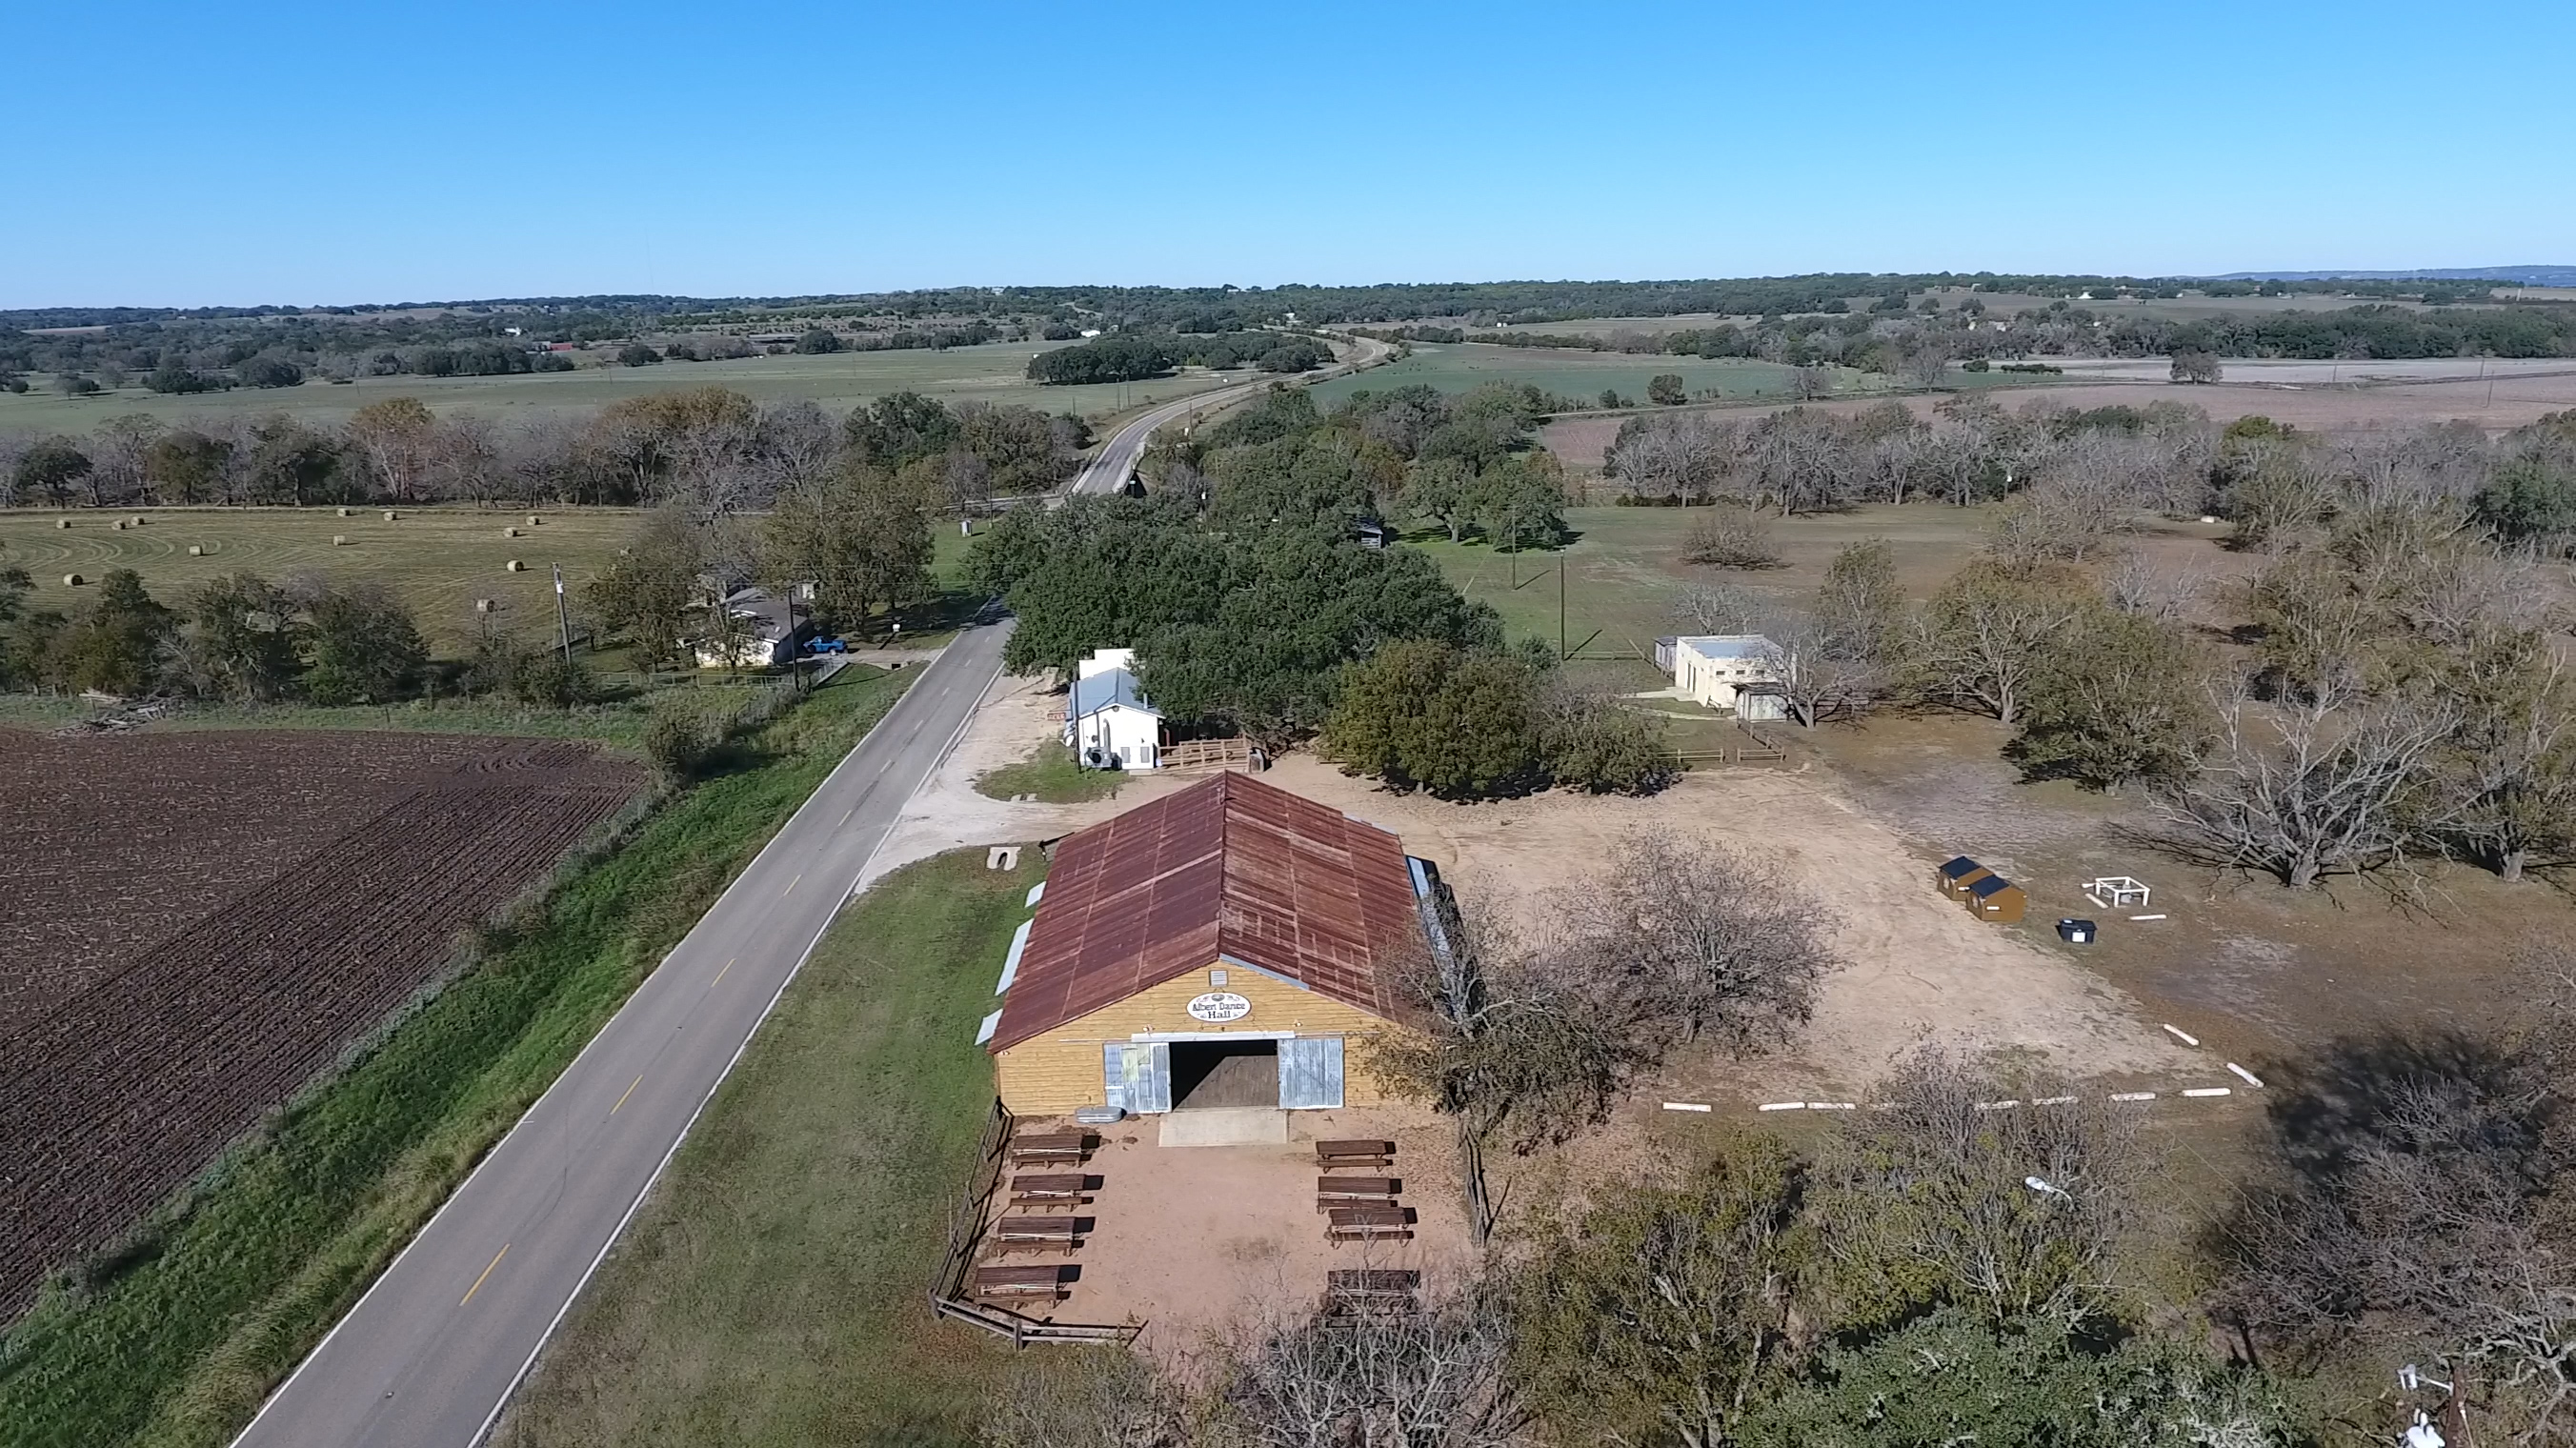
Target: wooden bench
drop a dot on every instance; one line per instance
(1330, 1155)
(1347, 1287)
(1049, 1191)
(1358, 1191)
(1046, 1282)
(1051, 1146)
(1368, 1224)
(1036, 1234)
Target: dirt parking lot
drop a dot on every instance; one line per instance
(1201, 1242)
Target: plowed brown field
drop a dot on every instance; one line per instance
(192, 925)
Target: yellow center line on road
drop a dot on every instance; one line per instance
(487, 1271)
(728, 965)
(629, 1091)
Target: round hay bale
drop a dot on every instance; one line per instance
(339, 540)
(515, 566)
(484, 605)
(137, 520)
(534, 520)
(509, 532)
(62, 522)
(344, 512)
(120, 525)
(72, 580)
(195, 551)
(391, 515)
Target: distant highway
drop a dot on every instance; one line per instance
(1116, 463)
(427, 1358)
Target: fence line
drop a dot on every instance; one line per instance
(949, 1294)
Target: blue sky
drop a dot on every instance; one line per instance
(256, 152)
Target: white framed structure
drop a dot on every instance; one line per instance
(1729, 671)
(2117, 892)
(1108, 722)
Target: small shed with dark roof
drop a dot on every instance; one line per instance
(1992, 897)
(1228, 945)
(1955, 875)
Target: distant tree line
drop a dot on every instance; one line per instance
(1130, 357)
(711, 449)
(1921, 344)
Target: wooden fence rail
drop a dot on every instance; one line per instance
(950, 1295)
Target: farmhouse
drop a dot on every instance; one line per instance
(1226, 946)
(1725, 671)
(768, 630)
(1108, 722)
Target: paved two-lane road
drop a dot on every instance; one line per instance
(427, 1357)
(1116, 463)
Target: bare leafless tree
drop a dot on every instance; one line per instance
(2134, 584)
(1720, 942)
(1819, 677)
(2018, 1189)
(1730, 536)
(2409, 1207)
(2305, 790)
(1436, 1377)
(1715, 608)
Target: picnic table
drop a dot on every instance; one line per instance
(1057, 1146)
(1333, 1191)
(1368, 1224)
(1036, 1233)
(1332, 1154)
(1370, 1286)
(1046, 1282)
(1049, 1191)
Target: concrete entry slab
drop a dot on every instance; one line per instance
(1226, 1126)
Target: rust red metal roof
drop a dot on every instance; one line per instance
(1230, 868)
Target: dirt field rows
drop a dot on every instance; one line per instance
(2499, 403)
(123, 1069)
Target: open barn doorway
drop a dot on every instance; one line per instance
(1224, 1074)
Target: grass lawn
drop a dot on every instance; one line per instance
(1624, 570)
(233, 1282)
(1052, 776)
(771, 1291)
(440, 560)
(996, 373)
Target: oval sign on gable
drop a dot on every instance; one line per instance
(1218, 1007)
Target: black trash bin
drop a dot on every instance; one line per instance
(2077, 932)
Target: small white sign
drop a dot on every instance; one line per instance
(1218, 1007)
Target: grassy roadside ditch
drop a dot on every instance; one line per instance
(228, 1286)
(770, 1291)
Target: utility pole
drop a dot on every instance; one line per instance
(563, 617)
(1560, 605)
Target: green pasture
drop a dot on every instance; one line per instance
(771, 1289)
(1623, 573)
(1569, 373)
(995, 373)
(440, 560)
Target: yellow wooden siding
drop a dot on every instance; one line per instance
(1057, 1071)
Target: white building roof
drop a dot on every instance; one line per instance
(1725, 646)
(1109, 689)
(1101, 661)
